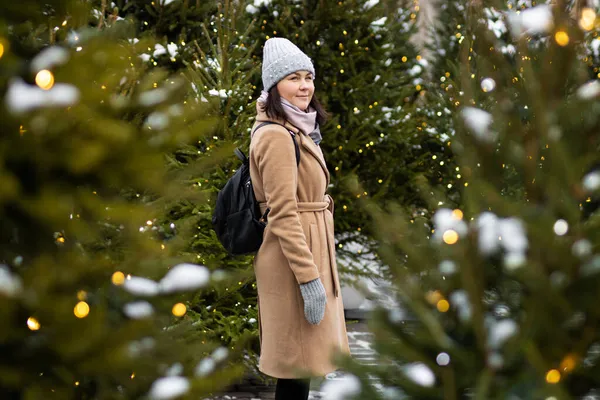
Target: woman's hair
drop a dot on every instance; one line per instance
(274, 109)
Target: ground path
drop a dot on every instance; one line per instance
(359, 339)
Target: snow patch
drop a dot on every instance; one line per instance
(591, 182)
(169, 388)
(220, 354)
(499, 332)
(141, 286)
(420, 373)
(138, 309)
(534, 20)
(10, 284)
(159, 50)
(589, 90)
(153, 97)
(497, 233)
(205, 367)
(49, 57)
(478, 122)
(21, 97)
(370, 4)
(185, 277)
(341, 389)
(158, 120)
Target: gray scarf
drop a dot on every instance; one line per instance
(305, 121)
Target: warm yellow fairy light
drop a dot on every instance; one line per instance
(458, 214)
(433, 296)
(443, 305)
(179, 310)
(562, 38)
(588, 19)
(568, 363)
(450, 236)
(81, 310)
(553, 376)
(1, 49)
(81, 295)
(118, 278)
(33, 324)
(44, 79)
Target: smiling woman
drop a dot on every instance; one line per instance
(297, 88)
(289, 88)
(300, 308)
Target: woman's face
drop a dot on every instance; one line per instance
(297, 88)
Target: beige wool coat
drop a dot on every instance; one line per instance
(298, 246)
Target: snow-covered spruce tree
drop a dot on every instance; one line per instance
(223, 76)
(171, 23)
(209, 48)
(503, 290)
(89, 288)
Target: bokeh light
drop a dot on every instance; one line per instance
(118, 278)
(450, 237)
(33, 324)
(44, 79)
(553, 376)
(81, 310)
(179, 310)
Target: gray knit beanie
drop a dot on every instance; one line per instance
(281, 58)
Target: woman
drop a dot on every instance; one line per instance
(301, 315)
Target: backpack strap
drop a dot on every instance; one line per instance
(291, 133)
(240, 154)
(266, 213)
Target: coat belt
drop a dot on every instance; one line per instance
(317, 206)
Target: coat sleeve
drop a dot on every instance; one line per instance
(276, 163)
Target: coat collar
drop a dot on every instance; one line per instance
(305, 140)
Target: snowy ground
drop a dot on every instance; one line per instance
(360, 347)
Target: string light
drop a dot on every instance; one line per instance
(118, 278)
(33, 324)
(1, 49)
(450, 237)
(81, 310)
(179, 310)
(443, 305)
(553, 376)
(434, 296)
(562, 38)
(588, 19)
(44, 79)
(458, 214)
(568, 363)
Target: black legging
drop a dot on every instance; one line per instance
(292, 389)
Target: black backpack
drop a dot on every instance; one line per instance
(237, 219)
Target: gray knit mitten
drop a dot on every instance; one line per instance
(315, 299)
